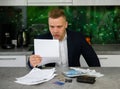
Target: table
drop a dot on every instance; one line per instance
(110, 80)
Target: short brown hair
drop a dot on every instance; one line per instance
(56, 13)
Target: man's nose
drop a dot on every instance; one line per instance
(55, 30)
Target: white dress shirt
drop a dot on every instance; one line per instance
(63, 52)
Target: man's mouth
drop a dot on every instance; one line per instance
(56, 36)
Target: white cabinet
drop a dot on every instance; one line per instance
(105, 61)
(96, 2)
(109, 60)
(12, 61)
(13, 2)
(57, 2)
(83, 2)
(106, 2)
(49, 2)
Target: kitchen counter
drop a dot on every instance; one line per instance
(106, 49)
(15, 51)
(110, 80)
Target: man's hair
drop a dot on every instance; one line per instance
(56, 13)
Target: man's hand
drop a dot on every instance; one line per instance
(35, 60)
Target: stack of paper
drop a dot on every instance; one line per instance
(36, 76)
(73, 72)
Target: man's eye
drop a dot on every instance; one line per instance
(51, 26)
(59, 26)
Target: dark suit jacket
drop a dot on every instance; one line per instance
(77, 45)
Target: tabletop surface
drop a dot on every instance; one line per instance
(110, 80)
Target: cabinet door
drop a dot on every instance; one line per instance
(49, 2)
(109, 60)
(105, 2)
(96, 2)
(83, 2)
(13, 61)
(13, 2)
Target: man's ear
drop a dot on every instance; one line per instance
(66, 24)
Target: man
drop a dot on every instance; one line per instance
(72, 44)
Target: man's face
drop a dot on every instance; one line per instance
(57, 27)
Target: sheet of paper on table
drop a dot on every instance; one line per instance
(73, 72)
(36, 76)
(47, 49)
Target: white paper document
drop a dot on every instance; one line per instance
(36, 76)
(80, 71)
(47, 49)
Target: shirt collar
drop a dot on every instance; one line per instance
(65, 37)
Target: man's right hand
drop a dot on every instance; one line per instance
(35, 60)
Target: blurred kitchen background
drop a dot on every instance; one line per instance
(20, 24)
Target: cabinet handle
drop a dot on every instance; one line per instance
(7, 58)
(103, 58)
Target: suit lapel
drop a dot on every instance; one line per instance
(69, 42)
